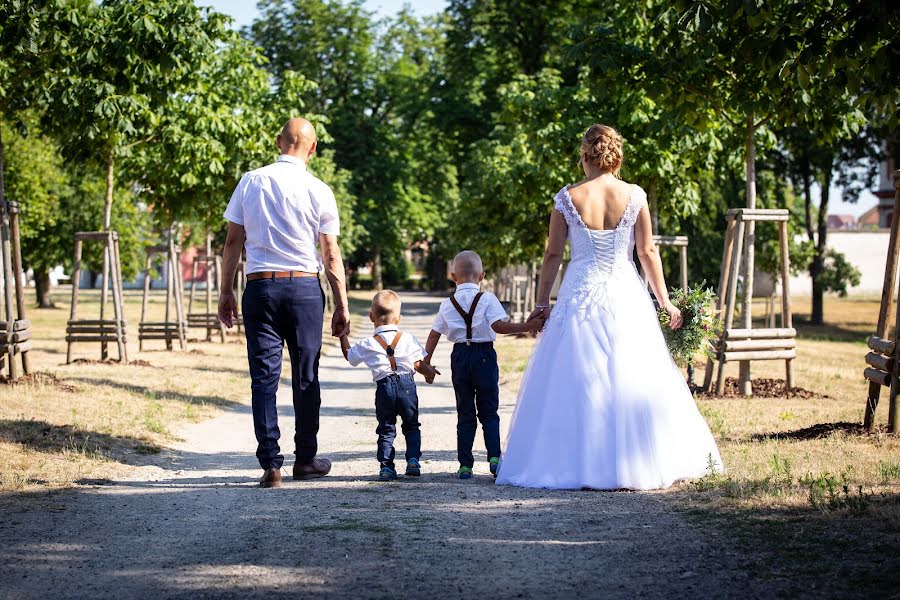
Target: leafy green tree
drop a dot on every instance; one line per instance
(536, 121)
(46, 46)
(806, 159)
(219, 126)
(375, 81)
(489, 44)
(128, 57)
(34, 41)
(37, 179)
(57, 199)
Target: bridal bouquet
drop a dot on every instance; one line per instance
(701, 325)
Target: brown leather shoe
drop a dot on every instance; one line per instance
(271, 478)
(319, 467)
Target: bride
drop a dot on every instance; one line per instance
(602, 405)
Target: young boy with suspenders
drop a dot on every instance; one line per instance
(471, 319)
(393, 357)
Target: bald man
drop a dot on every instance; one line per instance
(287, 220)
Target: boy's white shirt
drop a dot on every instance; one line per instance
(407, 353)
(449, 322)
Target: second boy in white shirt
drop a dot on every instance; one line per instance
(471, 319)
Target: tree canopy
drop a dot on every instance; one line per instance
(447, 131)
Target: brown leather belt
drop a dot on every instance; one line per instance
(278, 275)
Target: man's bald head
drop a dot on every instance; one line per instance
(467, 266)
(297, 138)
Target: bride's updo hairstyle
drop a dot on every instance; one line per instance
(601, 146)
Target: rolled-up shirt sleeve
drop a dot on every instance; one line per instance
(329, 219)
(235, 210)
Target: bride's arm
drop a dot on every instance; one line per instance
(550, 268)
(650, 262)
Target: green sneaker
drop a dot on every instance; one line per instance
(464, 472)
(495, 466)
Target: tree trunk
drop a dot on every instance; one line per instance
(107, 210)
(2, 169)
(807, 196)
(438, 275)
(42, 289)
(653, 201)
(377, 280)
(749, 250)
(817, 312)
(750, 163)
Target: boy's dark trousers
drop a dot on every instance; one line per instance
(475, 378)
(395, 395)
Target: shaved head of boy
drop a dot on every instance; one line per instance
(385, 308)
(467, 267)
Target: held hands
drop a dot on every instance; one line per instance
(340, 322)
(540, 312)
(537, 318)
(430, 375)
(227, 309)
(535, 324)
(675, 318)
(427, 371)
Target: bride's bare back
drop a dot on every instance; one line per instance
(601, 201)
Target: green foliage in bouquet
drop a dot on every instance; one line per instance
(701, 325)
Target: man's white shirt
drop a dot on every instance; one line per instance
(407, 353)
(283, 209)
(450, 323)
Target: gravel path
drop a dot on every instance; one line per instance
(195, 525)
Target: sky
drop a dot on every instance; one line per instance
(244, 11)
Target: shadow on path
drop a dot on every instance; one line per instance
(339, 535)
(169, 394)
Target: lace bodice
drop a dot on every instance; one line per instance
(598, 256)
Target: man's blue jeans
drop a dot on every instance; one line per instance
(279, 311)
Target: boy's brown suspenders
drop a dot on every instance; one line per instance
(389, 348)
(467, 316)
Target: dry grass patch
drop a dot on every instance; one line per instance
(91, 419)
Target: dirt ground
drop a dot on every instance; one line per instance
(190, 522)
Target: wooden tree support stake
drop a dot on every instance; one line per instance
(169, 329)
(208, 320)
(15, 325)
(746, 344)
(100, 330)
(884, 361)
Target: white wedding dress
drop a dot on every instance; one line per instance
(602, 405)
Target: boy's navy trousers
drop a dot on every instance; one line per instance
(476, 384)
